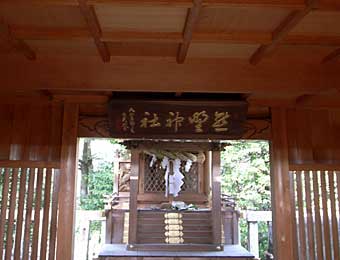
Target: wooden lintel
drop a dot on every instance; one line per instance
(94, 28)
(314, 167)
(82, 99)
(190, 24)
(333, 56)
(290, 4)
(28, 164)
(281, 32)
(18, 44)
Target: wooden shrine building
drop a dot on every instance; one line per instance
(68, 66)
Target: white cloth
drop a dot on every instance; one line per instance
(176, 180)
(166, 166)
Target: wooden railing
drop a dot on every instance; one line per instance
(29, 209)
(253, 218)
(317, 205)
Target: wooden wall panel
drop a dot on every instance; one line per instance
(313, 136)
(5, 129)
(30, 132)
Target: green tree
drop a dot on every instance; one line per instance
(100, 183)
(246, 177)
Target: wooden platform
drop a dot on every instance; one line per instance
(114, 251)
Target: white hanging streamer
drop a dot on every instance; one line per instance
(176, 179)
(174, 182)
(188, 165)
(166, 166)
(153, 160)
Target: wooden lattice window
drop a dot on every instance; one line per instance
(154, 177)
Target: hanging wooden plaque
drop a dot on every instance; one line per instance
(177, 119)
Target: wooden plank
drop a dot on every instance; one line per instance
(133, 196)
(309, 217)
(333, 56)
(325, 216)
(303, 140)
(283, 230)
(20, 214)
(190, 24)
(291, 4)
(334, 221)
(6, 120)
(281, 32)
(29, 164)
(94, 28)
(67, 182)
(216, 197)
(337, 173)
(12, 208)
(17, 44)
(230, 76)
(314, 167)
(321, 135)
(4, 199)
(55, 133)
(292, 185)
(258, 37)
(318, 225)
(19, 136)
(46, 216)
(37, 146)
(301, 223)
(28, 218)
(37, 208)
(54, 215)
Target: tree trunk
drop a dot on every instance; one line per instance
(86, 167)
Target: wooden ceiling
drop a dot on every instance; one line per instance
(265, 48)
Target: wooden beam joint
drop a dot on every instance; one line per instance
(17, 44)
(93, 24)
(281, 32)
(191, 22)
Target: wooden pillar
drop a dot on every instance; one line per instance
(283, 214)
(216, 197)
(253, 238)
(133, 197)
(67, 183)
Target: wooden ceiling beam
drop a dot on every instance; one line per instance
(289, 4)
(190, 24)
(18, 44)
(333, 56)
(242, 37)
(152, 74)
(94, 28)
(281, 32)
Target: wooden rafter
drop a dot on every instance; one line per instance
(19, 45)
(281, 32)
(94, 28)
(334, 55)
(191, 21)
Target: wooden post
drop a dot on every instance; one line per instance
(67, 183)
(216, 198)
(253, 238)
(283, 214)
(133, 197)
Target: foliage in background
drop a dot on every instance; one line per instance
(246, 177)
(100, 183)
